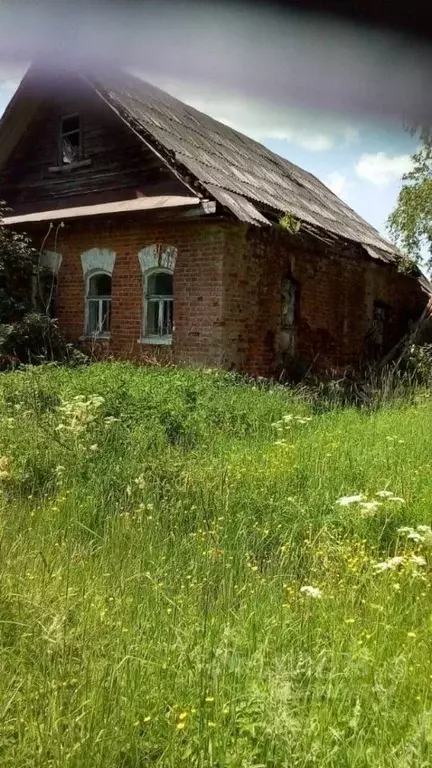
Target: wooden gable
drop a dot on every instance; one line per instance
(115, 165)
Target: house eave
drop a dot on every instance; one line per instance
(122, 206)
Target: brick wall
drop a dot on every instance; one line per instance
(197, 284)
(227, 289)
(335, 301)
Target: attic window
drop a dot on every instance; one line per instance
(70, 140)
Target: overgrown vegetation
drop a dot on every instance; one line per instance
(197, 571)
(28, 335)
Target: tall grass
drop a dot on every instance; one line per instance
(157, 528)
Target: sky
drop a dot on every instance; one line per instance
(329, 96)
(361, 159)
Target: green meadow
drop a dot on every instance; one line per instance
(201, 571)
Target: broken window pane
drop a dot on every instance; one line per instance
(100, 285)
(160, 284)
(70, 140)
(99, 304)
(167, 318)
(70, 124)
(159, 312)
(153, 318)
(93, 316)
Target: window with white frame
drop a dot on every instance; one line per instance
(98, 308)
(157, 262)
(158, 305)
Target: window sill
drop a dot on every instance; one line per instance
(95, 337)
(155, 340)
(69, 166)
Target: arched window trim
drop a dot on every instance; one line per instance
(98, 334)
(147, 338)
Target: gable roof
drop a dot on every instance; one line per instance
(255, 184)
(240, 173)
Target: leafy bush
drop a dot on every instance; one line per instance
(18, 260)
(26, 336)
(35, 339)
(417, 363)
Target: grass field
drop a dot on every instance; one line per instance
(180, 586)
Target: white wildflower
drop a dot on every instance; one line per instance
(344, 500)
(370, 506)
(384, 494)
(389, 565)
(415, 536)
(141, 482)
(311, 591)
(397, 498)
(418, 560)
(384, 566)
(424, 529)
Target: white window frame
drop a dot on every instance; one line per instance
(158, 257)
(99, 299)
(94, 261)
(156, 338)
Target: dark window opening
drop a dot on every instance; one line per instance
(379, 323)
(289, 292)
(159, 316)
(377, 337)
(289, 317)
(99, 304)
(70, 140)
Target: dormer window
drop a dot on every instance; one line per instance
(70, 140)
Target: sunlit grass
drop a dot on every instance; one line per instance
(199, 572)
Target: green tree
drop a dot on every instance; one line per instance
(410, 224)
(17, 265)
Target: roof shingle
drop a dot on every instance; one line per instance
(238, 171)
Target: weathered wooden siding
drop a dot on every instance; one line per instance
(120, 167)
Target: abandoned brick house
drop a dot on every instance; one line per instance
(161, 229)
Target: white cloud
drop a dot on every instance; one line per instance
(315, 131)
(381, 169)
(337, 182)
(318, 143)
